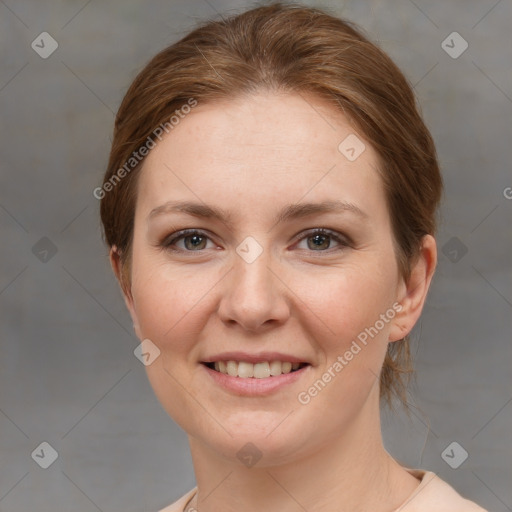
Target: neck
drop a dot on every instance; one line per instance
(348, 472)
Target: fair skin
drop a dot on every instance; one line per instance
(251, 157)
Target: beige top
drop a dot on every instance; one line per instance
(432, 495)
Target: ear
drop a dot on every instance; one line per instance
(119, 271)
(412, 294)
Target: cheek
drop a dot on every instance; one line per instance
(171, 303)
(352, 340)
(166, 306)
(346, 301)
(170, 312)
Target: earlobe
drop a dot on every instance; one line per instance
(413, 293)
(117, 267)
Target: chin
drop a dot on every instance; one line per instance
(257, 444)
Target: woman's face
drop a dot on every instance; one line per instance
(261, 282)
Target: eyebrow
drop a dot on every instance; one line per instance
(290, 211)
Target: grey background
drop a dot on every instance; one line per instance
(68, 375)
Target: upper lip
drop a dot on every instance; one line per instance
(254, 358)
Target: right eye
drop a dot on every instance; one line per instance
(194, 241)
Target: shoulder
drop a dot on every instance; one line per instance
(179, 505)
(435, 495)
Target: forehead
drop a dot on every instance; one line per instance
(259, 148)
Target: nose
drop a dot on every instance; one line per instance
(254, 297)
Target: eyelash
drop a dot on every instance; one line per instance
(342, 240)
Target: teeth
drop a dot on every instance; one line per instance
(246, 370)
(232, 368)
(261, 370)
(275, 368)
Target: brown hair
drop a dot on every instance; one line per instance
(286, 48)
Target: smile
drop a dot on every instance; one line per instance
(261, 370)
(248, 379)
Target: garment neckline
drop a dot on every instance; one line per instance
(425, 477)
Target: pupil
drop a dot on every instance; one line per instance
(195, 240)
(321, 239)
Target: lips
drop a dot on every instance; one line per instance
(254, 386)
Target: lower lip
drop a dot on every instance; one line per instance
(252, 386)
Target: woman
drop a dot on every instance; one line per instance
(270, 206)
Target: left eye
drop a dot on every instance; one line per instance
(320, 239)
